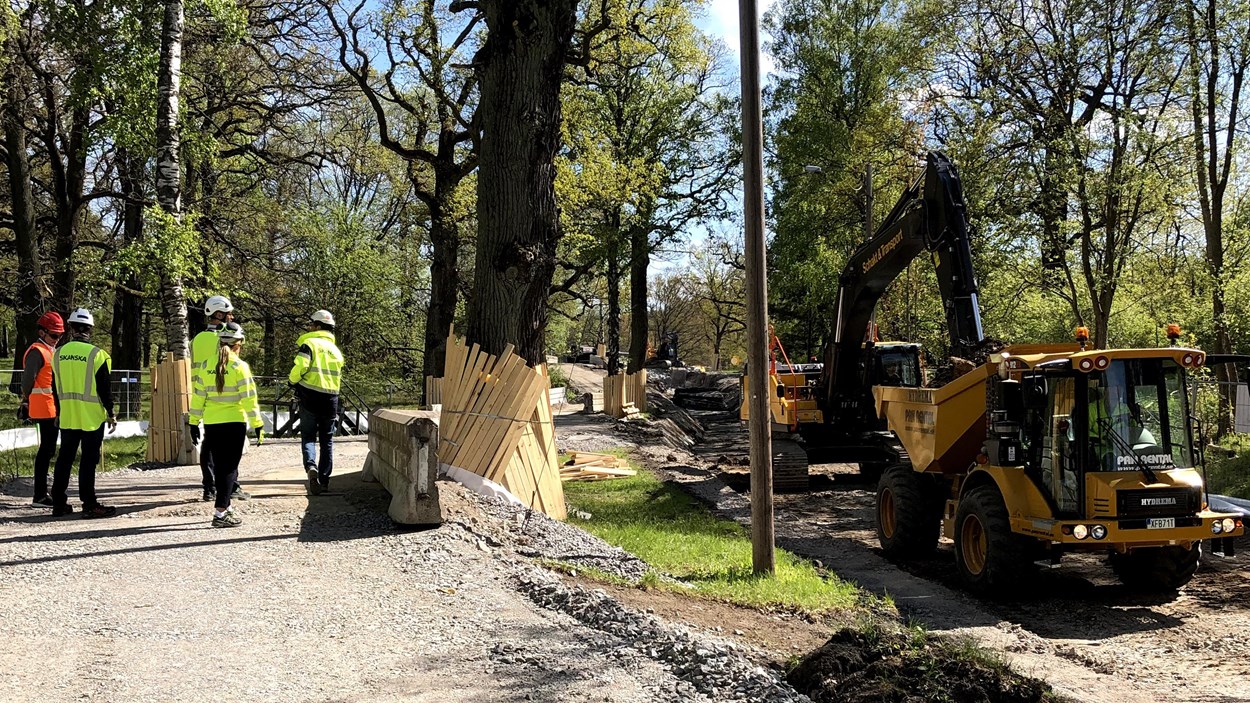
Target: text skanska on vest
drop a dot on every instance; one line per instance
(73, 357)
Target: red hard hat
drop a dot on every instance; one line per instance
(52, 322)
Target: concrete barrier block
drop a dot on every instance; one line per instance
(403, 457)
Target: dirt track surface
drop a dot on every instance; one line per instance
(1081, 631)
(320, 601)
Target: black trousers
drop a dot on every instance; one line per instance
(43, 458)
(91, 440)
(207, 475)
(224, 443)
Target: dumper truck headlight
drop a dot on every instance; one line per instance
(1098, 531)
(1080, 531)
(1229, 525)
(1217, 526)
(1086, 364)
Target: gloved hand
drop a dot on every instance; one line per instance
(260, 435)
(23, 412)
(195, 433)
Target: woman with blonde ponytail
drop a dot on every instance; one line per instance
(227, 405)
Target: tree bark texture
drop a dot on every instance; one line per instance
(520, 69)
(127, 333)
(639, 261)
(444, 280)
(28, 297)
(613, 275)
(169, 172)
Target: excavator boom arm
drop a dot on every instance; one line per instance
(930, 216)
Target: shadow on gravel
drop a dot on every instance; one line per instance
(149, 548)
(45, 514)
(350, 510)
(105, 532)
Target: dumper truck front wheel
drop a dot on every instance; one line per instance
(1157, 569)
(990, 557)
(908, 521)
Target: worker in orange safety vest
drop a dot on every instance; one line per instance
(38, 401)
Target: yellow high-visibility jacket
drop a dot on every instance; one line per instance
(318, 364)
(235, 402)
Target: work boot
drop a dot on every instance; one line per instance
(44, 501)
(314, 482)
(227, 520)
(240, 494)
(209, 494)
(62, 510)
(98, 511)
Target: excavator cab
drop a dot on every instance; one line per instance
(896, 364)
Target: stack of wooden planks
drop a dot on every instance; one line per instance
(625, 395)
(168, 438)
(433, 391)
(588, 466)
(496, 422)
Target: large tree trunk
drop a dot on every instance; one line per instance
(28, 298)
(68, 178)
(639, 261)
(614, 297)
(520, 70)
(444, 282)
(127, 332)
(168, 173)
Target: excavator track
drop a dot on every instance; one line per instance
(789, 466)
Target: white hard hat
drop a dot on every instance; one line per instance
(217, 303)
(81, 316)
(230, 332)
(324, 317)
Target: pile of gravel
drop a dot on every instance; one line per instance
(721, 671)
(532, 534)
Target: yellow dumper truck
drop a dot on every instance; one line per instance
(1050, 449)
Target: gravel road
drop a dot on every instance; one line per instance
(326, 601)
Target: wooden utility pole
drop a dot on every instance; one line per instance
(763, 559)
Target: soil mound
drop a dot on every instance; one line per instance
(858, 666)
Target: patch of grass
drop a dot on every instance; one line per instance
(115, 454)
(678, 536)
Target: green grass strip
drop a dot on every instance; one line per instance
(115, 454)
(668, 529)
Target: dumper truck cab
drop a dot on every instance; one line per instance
(1052, 449)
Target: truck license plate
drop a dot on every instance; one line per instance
(1160, 523)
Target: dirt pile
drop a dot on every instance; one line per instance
(858, 666)
(708, 391)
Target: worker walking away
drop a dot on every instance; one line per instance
(227, 403)
(204, 349)
(317, 376)
(38, 402)
(84, 404)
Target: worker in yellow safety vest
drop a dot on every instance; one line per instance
(38, 401)
(218, 312)
(317, 377)
(84, 404)
(227, 403)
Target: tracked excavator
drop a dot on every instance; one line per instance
(1039, 451)
(825, 412)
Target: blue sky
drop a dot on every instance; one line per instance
(721, 19)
